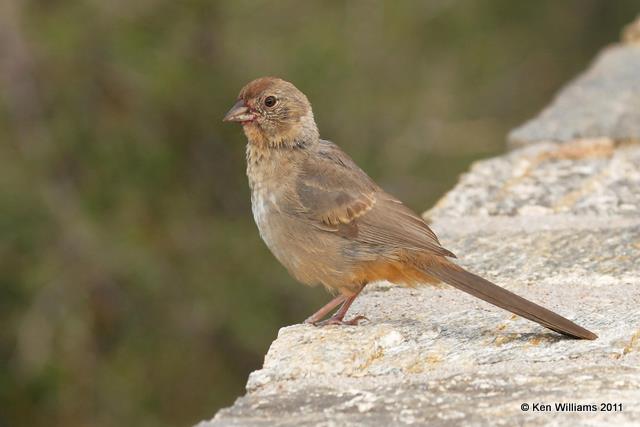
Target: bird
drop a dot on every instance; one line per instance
(328, 223)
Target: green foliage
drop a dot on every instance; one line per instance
(134, 289)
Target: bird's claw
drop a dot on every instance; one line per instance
(335, 321)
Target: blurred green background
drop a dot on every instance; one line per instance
(134, 289)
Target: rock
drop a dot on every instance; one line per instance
(557, 221)
(604, 102)
(584, 177)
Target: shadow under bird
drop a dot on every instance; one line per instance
(329, 223)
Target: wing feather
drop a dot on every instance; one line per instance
(339, 197)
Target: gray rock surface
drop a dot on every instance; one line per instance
(556, 223)
(585, 177)
(602, 102)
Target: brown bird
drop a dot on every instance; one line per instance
(329, 223)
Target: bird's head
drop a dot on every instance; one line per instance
(274, 112)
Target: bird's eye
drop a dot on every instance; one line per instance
(270, 101)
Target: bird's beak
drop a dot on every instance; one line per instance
(239, 113)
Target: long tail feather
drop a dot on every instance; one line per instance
(487, 291)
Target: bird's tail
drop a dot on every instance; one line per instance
(485, 290)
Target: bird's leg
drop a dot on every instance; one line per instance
(337, 318)
(326, 309)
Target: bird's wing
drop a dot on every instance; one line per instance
(339, 197)
(331, 189)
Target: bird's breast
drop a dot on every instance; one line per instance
(308, 255)
(280, 233)
(264, 205)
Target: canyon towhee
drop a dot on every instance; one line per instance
(329, 223)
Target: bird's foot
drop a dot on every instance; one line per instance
(337, 321)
